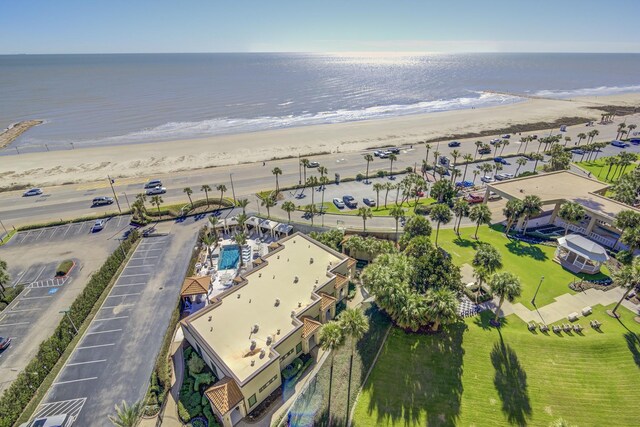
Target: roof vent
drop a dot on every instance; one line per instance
(259, 274)
(299, 304)
(238, 296)
(295, 279)
(274, 276)
(253, 345)
(255, 328)
(278, 257)
(210, 318)
(278, 332)
(316, 281)
(293, 313)
(277, 302)
(287, 259)
(269, 339)
(211, 330)
(253, 362)
(262, 353)
(310, 260)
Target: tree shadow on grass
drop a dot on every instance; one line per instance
(483, 320)
(421, 378)
(510, 381)
(519, 248)
(633, 343)
(465, 243)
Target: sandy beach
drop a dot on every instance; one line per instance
(88, 164)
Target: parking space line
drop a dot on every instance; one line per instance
(116, 306)
(103, 332)
(65, 233)
(86, 363)
(75, 381)
(110, 318)
(40, 233)
(123, 295)
(23, 309)
(143, 265)
(146, 257)
(133, 275)
(14, 324)
(44, 296)
(95, 346)
(130, 284)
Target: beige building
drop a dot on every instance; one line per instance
(252, 331)
(556, 188)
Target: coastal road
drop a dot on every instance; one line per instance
(114, 359)
(68, 201)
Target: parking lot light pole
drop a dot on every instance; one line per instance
(233, 191)
(127, 199)
(3, 227)
(66, 313)
(114, 192)
(533, 300)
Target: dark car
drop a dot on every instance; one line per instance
(464, 184)
(349, 201)
(4, 342)
(619, 144)
(369, 202)
(500, 160)
(153, 183)
(394, 150)
(454, 144)
(484, 150)
(99, 201)
(474, 198)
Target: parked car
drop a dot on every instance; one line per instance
(500, 160)
(634, 141)
(454, 144)
(534, 136)
(339, 203)
(474, 198)
(98, 225)
(156, 190)
(313, 164)
(63, 420)
(619, 144)
(384, 154)
(369, 202)
(4, 342)
(394, 150)
(504, 176)
(99, 201)
(377, 153)
(577, 151)
(485, 150)
(153, 183)
(494, 140)
(32, 192)
(464, 184)
(506, 136)
(494, 196)
(487, 179)
(349, 201)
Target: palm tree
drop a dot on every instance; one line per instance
(241, 240)
(537, 157)
(368, 158)
(188, 191)
(388, 187)
(5, 278)
(392, 158)
(288, 207)
(628, 277)
(631, 238)
(506, 285)
(486, 261)
(442, 306)
(323, 186)
(531, 206)
(365, 214)
(377, 187)
(268, 202)
(277, 171)
(397, 212)
(305, 165)
(441, 214)
(428, 147)
(213, 221)
(243, 203)
(567, 139)
(157, 201)
(331, 339)
(206, 189)
(624, 220)
(478, 144)
(631, 128)
(476, 172)
(455, 154)
(505, 143)
(221, 188)
(354, 325)
(480, 214)
(126, 416)
(311, 210)
(521, 162)
(461, 209)
(312, 182)
(570, 212)
(621, 127)
(467, 159)
(242, 220)
(208, 240)
(512, 211)
(322, 171)
(581, 136)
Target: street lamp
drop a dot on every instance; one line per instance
(66, 313)
(533, 300)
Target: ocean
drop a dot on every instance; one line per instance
(117, 99)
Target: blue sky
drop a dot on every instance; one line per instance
(101, 26)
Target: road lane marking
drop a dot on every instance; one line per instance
(95, 346)
(75, 381)
(103, 332)
(110, 318)
(86, 363)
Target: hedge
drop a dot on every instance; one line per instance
(9, 295)
(70, 221)
(15, 399)
(64, 267)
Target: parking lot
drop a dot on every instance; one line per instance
(114, 359)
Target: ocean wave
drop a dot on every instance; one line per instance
(591, 91)
(220, 126)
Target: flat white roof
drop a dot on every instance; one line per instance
(287, 275)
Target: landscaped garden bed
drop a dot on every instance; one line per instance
(193, 404)
(64, 268)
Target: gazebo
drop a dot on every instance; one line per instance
(194, 292)
(580, 255)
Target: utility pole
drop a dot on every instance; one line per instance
(233, 191)
(127, 199)
(299, 170)
(114, 192)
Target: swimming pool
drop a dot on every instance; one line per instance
(229, 257)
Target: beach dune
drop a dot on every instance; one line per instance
(89, 164)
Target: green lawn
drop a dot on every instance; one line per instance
(529, 262)
(476, 375)
(599, 170)
(379, 210)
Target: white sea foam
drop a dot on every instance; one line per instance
(592, 91)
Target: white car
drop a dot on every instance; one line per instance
(494, 196)
(98, 225)
(33, 192)
(493, 141)
(339, 203)
(487, 179)
(504, 176)
(63, 420)
(156, 190)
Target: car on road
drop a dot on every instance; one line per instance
(506, 136)
(32, 192)
(494, 196)
(494, 140)
(454, 144)
(384, 154)
(577, 151)
(501, 161)
(378, 153)
(474, 198)
(349, 201)
(369, 202)
(393, 150)
(4, 343)
(339, 203)
(156, 190)
(619, 144)
(504, 176)
(485, 150)
(101, 200)
(487, 179)
(313, 164)
(153, 183)
(63, 420)
(98, 225)
(634, 141)
(464, 184)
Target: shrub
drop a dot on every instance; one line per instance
(206, 379)
(381, 174)
(9, 295)
(292, 369)
(625, 257)
(195, 364)
(527, 173)
(64, 268)
(359, 177)
(183, 413)
(208, 413)
(409, 169)
(423, 209)
(198, 423)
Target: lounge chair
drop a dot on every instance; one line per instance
(595, 324)
(544, 328)
(531, 326)
(556, 329)
(578, 328)
(566, 327)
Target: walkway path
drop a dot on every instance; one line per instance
(563, 305)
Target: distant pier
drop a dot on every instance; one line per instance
(15, 130)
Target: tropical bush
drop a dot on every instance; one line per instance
(292, 369)
(64, 267)
(367, 247)
(17, 396)
(9, 295)
(193, 403)
(332, 238)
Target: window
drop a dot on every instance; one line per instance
(252, 400)
(299, 348)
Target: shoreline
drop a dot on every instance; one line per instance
(11, 133)
(143, 159)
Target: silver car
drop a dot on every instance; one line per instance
(156, 190)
